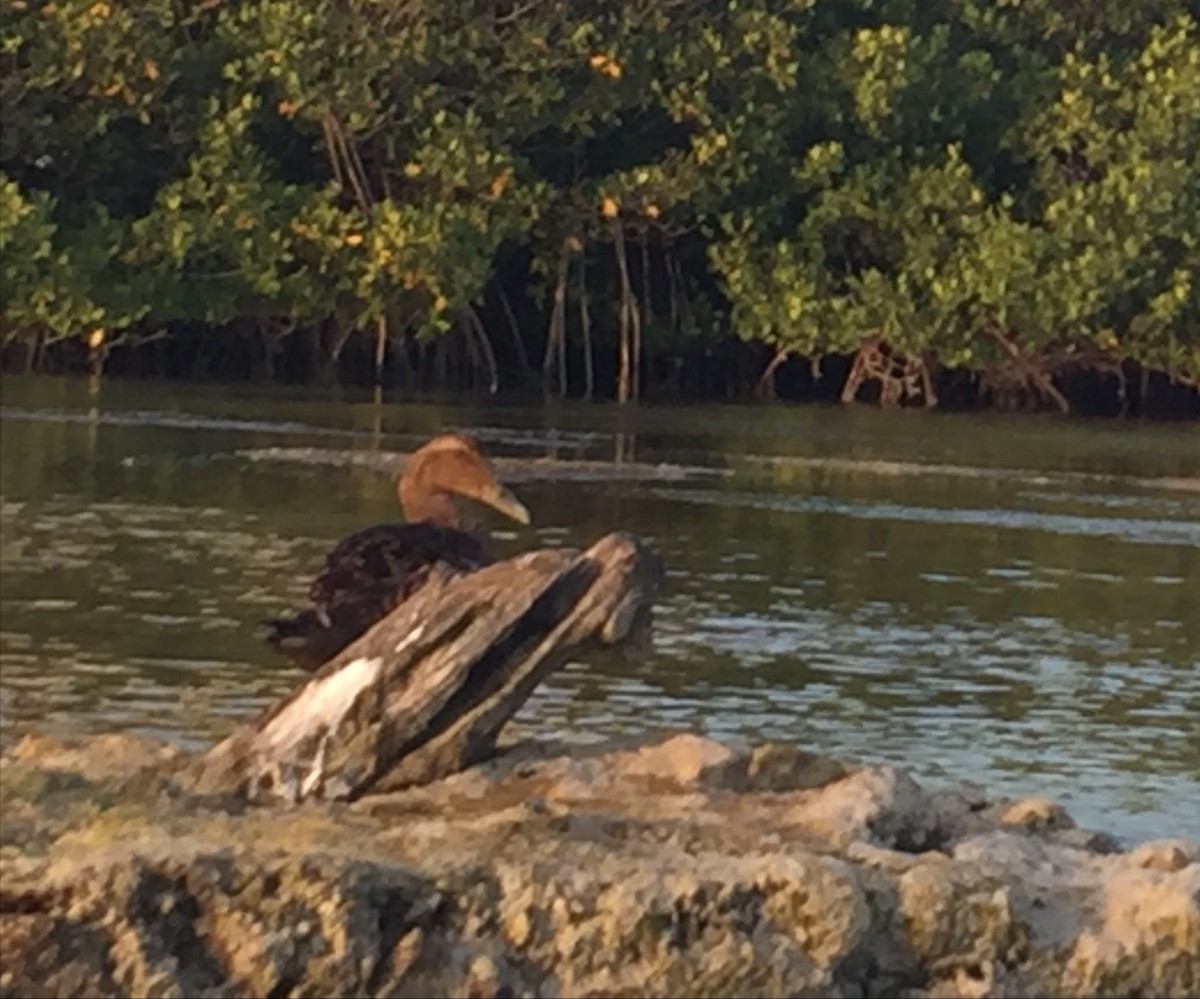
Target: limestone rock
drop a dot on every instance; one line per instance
(676, 867)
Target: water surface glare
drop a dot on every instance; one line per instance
(1011, 601)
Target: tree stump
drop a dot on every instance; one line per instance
(426, 691)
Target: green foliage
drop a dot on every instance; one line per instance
(949, 174)
(1071, 215)
(40, 289)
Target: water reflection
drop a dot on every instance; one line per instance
(1008, 601)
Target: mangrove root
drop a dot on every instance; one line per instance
(903, 379)
(1022, 381)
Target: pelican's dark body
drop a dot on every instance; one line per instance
(369, 573)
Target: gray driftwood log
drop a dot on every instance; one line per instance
(426, 692)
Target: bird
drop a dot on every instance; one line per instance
(372, 571)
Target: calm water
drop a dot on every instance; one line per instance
(1007, 600)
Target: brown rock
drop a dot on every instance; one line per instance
(956, 921)
(1165, 854)
(876, 804)
(680, 759)
(1149, 941)
(1037, 815)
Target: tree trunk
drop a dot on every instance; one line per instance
(522, 354)
(406, 375)
(672, 291)
(585, 327)
(328, 348)
(34, 355)
(555, 336)
(485, 347)
(629, 335)
(440, 364)
(381, 339)
(426, 692)
(269, 341)
(647, 301)
(766, 384)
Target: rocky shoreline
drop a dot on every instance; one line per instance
(369, 835)
(677, 866)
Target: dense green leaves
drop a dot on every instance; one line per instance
(1069, 216)
(961, 177)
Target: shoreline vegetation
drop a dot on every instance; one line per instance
(961, 205)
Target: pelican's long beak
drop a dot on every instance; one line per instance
(499, 498)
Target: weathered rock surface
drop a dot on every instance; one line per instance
(675, 867)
